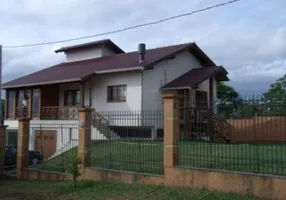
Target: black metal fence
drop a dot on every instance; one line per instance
(243, 135)
(51, 142)
(128, 141)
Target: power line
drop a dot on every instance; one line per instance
(125, 29)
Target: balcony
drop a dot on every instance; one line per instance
(59, 113)
(50, 113)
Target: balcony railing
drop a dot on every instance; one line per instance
(22, 112)
(59, 113)
(49, 113)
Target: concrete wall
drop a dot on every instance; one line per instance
(269, 187)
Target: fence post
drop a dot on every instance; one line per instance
(23, 145)
(171, 130)
(2, 146)
(84, 135)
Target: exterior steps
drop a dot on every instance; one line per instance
(101, 124)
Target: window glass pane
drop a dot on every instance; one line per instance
(122, 94)
(77, 97)
(116, 93)
(36, 102)
(20, 98)
(11, 96)
(72, 97)
(69, 98)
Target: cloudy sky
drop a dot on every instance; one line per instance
(248, 37)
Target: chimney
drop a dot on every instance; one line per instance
(141, 52)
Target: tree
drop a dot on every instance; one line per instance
(228, 100)
(226, 93)
(275, 97)
(72, 165)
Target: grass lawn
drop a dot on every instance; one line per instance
(147, 156)
(86, 190)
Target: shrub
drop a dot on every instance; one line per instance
(72, 165)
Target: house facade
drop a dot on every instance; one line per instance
(102, 76)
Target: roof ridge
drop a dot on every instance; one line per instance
(167, 46)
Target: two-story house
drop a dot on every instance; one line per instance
(102, 76)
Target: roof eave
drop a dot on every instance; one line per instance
(40, 83)
(119, 70)
(175, 88)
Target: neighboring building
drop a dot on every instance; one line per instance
(102, 76)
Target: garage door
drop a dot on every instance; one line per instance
(46, 142)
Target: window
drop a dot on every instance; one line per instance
(116, 93)
(36, 103)
(23, 97)
(71, 97)
(11, 98)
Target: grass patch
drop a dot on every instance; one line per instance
(88, 190)
(147, 157)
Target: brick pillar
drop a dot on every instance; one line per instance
(171, 130)
(23, 145)
(84, 135)
(2, 146)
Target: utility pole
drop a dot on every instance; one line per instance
(1, 106)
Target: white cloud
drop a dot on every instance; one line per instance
(248, 37)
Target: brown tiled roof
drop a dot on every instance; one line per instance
(196, 76)
(80, 70)
(105, 42)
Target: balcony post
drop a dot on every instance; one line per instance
(15, 104)
(30, 105)
(82, 95)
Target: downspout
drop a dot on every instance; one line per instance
(142, 82)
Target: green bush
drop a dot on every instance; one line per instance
(72, 165)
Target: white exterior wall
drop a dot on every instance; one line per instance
(99, 91)
(12, 124)
(84, 54)
(163, 73)
(88, 53)
(204, 86)
(107, 52)
(133, 82)
(99, 85)
(64, 128)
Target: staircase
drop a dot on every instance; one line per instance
(101, 124)
(70, 145)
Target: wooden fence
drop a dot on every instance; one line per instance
(259, 129)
